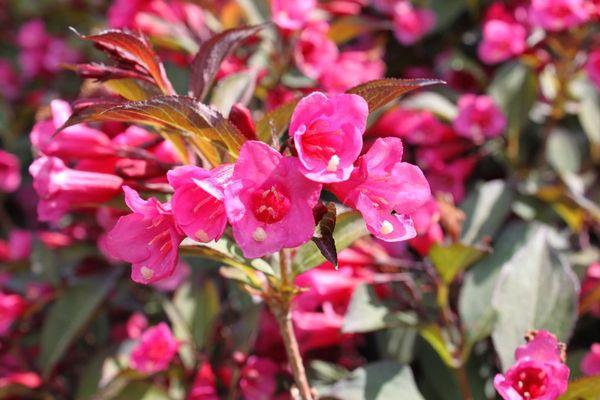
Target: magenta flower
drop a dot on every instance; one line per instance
(60, 188)
(478, 118)
(314, 51)
(148, 238)
(590, 365)
(198, 201)
(539, 372)
(291, 15)
(558, 15)
(10, 172)
(385, 190)
(73, 143)
(410, 23)
(154, 351)
(9, 81)
(426, 221)
(327, 133)
(205, 384)
(501, 41)
(351, 69)
(269, 202)
(592, 67)
(258, 380)
(12, 307)
(418, 127)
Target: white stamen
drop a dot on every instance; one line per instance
(147, 273)
(259, 235)
(333, 163)
(202, 236)
(386, 228)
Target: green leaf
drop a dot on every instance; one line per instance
(366, 313)
(142, 391)
(235, 88)
(536, 290)
(583, 389)
(380, 92)
(486, 208)
(69, 315)
(275, 122)
(447, 11)
(434, 102)
(562, 151)
(433, 334)
(384, 380)
(475, 310)
(349, 227)
(451, 260)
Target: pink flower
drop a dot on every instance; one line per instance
(269, 202)
(327, 133)
(291, 15)
(501, 41)
(205, 384)
(539, 372)
(155, 350)
(180, 275)
(351, 69)
(136, 325)
(12, 307)
(414, 126)
(10, 172)
(429, 232)
(258, 380)
(60, 188)
(12, 373)
(385, 190)
(198, 201)
(410, 23)
(9, 81)
(558, 15)
(478, 118)
(75, 142)
(590, 365)
(384, 6)
(148, 238)
(592, 67)
(20, 243)
(314, 51)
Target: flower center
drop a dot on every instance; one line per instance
(321, 142)
(531, 383)
(270, 205)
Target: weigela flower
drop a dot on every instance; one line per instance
(501, 41)
(478, 118)
(291, 15)
(558, 15)
(148, 238)
(539, 372)
(12, 373)
(351, 69)
(426, 221)
(197, 204)
(12, 307)
(269, 202)
(410, 23)
(314, 51)
(205, 384)
(327, 133)
(10, 172)
(592, 67)
(9, 81)
(61, 189)
(417, 127)
(154, 351)
(75, 142)
(258, 380)
(385, 190)
(590, 365)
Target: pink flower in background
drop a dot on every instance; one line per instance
(9, 81)
(385, 190)
(181, 274)
(12, 373)
(558, 15)
(20, 244)
(258, 380)
(592, 67)
(269, 202)
(410, 23)
(414, 126)
(501, 41)
(12, 307)
(205, 384)
(384, 6)
(136, 325)
(10, 172)
(148, 238)
(327, 133)
(291, 15)
(154, 351)
(314, 51)
(75, 142)
(197, 204)
(60, 188)
(351, 69)
(478, 118)
(539, 372)
(590, 365)
(429, 232)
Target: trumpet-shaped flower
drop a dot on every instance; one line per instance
(478, 118)
(148, 238)
(10, 174)
(269, 202)
(410, 23)
(156, 348)
(558, 15)
(502, 40)
(314, 51)
(385, 190)
(327, 132)
(291, 15)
